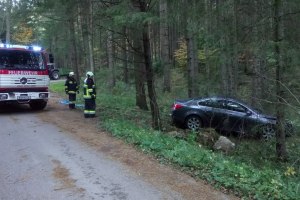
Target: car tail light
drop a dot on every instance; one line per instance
(177, 106)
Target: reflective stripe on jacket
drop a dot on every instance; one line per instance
(71, 86)
(89, 89)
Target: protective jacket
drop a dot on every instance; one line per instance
(89, 95)
(71, 86)
(89, 89)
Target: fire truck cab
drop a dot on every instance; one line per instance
(24, 75)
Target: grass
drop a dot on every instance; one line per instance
(251, 171)
(58, 87)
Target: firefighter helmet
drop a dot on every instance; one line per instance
(71, 74)
(90, 74)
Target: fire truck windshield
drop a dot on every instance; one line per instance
(21, 60)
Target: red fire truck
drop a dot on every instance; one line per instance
(24, 75)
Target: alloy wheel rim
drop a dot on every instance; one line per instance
(268, 132)
(193, 124)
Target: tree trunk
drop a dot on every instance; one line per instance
(193, 90)
(8, 13)
(85, 22)
(259, 56)
(156, 122)
(125, 57)
(74, 55)
(192, 52)
(235, 53)
(90, 35)
(280, 134)
(221, 37)
(83, 32)
(164, 45)
(139, 71)
(208, 31)
(112, 77)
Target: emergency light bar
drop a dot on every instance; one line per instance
(34, 48)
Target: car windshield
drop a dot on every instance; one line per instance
(255, 109)
(21, 60)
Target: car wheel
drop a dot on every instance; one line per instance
(241, 131)
(193, 122)
(267, 132)
(55, 75)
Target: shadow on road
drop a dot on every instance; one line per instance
(15, 108)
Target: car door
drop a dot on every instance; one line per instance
(214, 112)
(237, 117)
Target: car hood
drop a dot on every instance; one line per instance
(268, 117)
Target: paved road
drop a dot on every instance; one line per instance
(40, 161)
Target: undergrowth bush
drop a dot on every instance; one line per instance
(217, 169)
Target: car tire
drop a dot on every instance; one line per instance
(193, 122)
(55, 75)
(267, 132)
(241, 132)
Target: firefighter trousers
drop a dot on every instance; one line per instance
(72, 100)
(89, 108)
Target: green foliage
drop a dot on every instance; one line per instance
(23, 34)
(181, 54)
(123, 14)
(64, 70)
(158, 68)
(204, 55)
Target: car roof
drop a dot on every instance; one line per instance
(222, 98)
(216, 98)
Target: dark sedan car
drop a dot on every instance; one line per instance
(225, 115)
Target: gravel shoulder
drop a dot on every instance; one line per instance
(145, 166)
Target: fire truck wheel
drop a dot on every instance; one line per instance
(38, 104)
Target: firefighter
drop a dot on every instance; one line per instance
(71, 88)
(89, 95)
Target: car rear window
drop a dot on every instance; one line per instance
(212, 103)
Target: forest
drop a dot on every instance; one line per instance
(170, 49)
